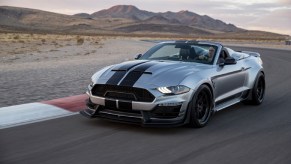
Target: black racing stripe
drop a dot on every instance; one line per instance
(116, 77)
(121, 71)
(135, 74)
(131, 78)
(128, 66)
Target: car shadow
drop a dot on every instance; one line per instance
(223, 117)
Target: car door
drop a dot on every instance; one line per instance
(229, 81)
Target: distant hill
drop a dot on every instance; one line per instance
(117, 20)
(83, 15)
(123, 11)
(185, 18)
(159, 19)
(31, 20)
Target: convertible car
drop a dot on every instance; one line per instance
(176, 83)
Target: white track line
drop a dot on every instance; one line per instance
(29, 113)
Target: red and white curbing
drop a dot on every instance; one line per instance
(35, 112)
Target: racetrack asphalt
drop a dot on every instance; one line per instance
(238, 134)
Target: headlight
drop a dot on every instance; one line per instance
(174, 90)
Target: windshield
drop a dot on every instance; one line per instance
(188, 52)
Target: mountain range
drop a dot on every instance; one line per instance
(183, 18)
(120, 19)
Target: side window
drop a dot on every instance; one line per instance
(222, 56)
(226, 53)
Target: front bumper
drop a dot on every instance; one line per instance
(163, 111)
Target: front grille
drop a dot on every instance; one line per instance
(122, 93)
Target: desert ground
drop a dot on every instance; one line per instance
(43, 67)
(38, 67)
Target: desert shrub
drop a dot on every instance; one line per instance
(80, 40)
(16, 37)
(54, 43)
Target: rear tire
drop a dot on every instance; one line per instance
(200, 107)
(258, 91)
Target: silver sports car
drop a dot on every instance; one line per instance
(176, 83)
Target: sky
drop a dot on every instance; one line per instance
(267, 15)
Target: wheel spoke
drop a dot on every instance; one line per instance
(202, 106)
(260, 89)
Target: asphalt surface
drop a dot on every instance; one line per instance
(238, 134)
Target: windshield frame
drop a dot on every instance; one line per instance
(146, 56)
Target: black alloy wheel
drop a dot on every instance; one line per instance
(201, 107)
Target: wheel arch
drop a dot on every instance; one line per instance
(256, 78)
(262, 71)
(249, 96)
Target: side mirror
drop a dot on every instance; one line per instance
(227, 61)
(138, 56)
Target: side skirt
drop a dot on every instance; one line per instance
(231, 100)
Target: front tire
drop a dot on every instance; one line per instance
(200, 107)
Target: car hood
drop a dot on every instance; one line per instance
(148, 74)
